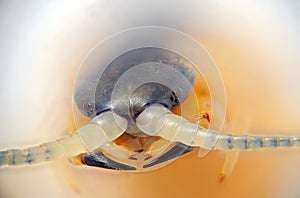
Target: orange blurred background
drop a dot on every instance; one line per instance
(254, 44)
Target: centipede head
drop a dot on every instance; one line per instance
(128, 72)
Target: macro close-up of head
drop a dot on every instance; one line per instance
(150, 99)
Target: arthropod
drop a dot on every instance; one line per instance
(133, 103)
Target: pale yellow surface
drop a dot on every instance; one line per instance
(254, 44)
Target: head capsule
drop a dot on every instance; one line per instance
(127, 73)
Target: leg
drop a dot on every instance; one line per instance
(231, 158)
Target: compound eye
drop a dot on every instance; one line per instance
(140, 67)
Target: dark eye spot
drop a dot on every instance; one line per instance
(172, 98)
